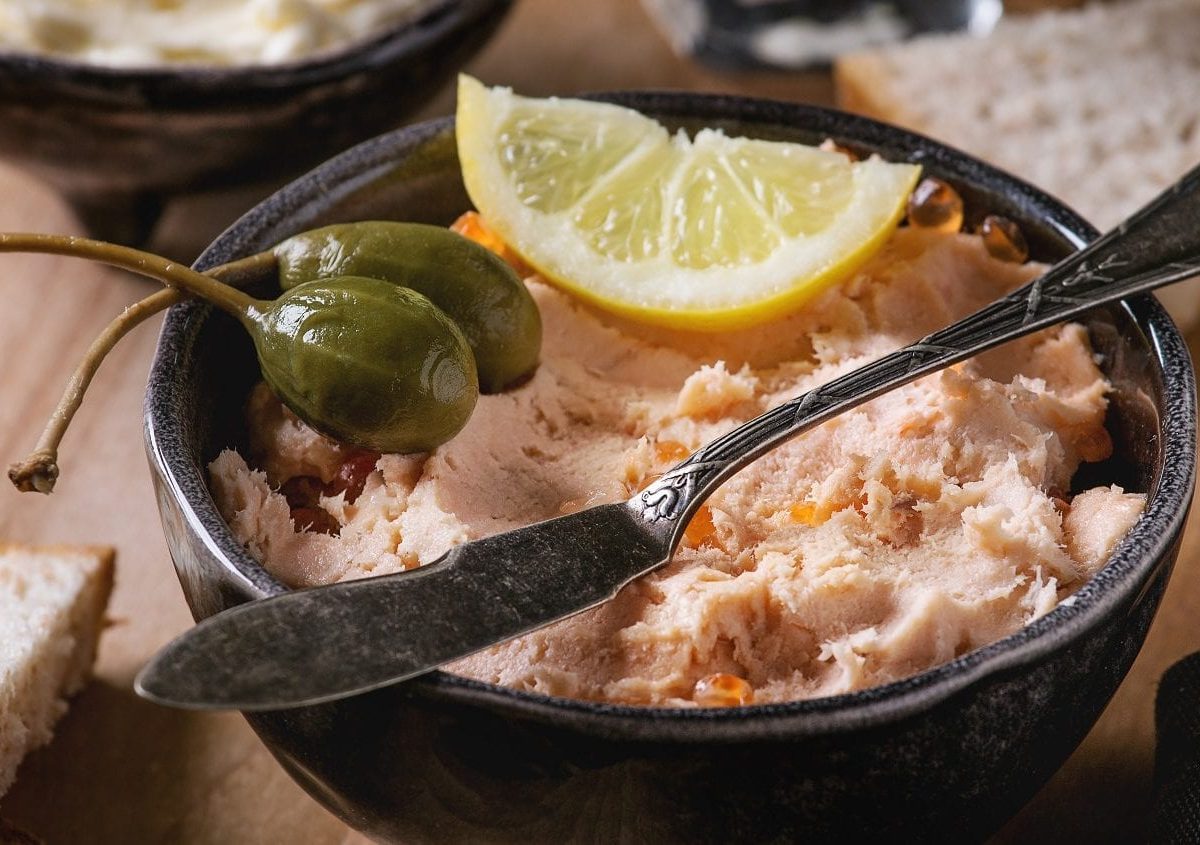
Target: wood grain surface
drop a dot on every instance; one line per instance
(121, 770)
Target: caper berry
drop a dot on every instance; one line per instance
(368, 362)
(360, 359)
(476, 288)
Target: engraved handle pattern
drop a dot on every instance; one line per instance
(1157, 246)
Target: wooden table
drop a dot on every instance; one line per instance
(121, 770)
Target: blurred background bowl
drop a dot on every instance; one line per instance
(946, 755)
(119, 142)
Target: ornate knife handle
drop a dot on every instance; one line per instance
(1158, 245)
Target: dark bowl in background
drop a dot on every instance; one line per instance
(118, 142)
(952, 752)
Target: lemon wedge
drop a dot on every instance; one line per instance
(708, 232)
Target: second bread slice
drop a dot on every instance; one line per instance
(1100, 106)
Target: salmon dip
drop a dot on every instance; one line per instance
(924, 524)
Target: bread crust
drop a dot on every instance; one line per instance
(860, 85)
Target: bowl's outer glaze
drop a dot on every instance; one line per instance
(953, 751)
(126, 138)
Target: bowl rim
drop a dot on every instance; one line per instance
(410, 35)
(1126, 576)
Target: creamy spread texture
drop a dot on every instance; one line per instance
(928, 522)
(210, 32)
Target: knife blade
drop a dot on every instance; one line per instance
(323, 643)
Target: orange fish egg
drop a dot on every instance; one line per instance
(935, 205)
(806, 513)
(1003, 239)
(471, 226)
(701, 530)
(670, 451)
(723, 690)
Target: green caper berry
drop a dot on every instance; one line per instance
(475, 287)
(360, 359)
(368, 362)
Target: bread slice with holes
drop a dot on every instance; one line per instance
(1099, 106)
(52, 602)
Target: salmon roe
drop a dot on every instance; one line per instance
(701, 530)
(806, 513)
(670, 451)
(935, 205)
(471, 226)
(646, 482)
(723, 690)
(1003, 239)
(315, 520)
(352, 475)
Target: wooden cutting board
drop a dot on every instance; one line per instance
(121, 770)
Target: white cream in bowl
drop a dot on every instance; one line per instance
(135, 33)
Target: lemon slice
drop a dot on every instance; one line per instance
(708, 232)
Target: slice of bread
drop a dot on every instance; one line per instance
(52, 602)
(1098, 106)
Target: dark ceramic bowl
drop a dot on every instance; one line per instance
(953, 751)
(118, 141)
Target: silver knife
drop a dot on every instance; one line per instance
(320, 644)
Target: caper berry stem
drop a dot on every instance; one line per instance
(156, 267)
(242, 272)
(39, 471)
